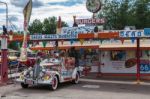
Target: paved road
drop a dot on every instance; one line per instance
(86, 89)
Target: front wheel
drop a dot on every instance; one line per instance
(24, 85)
(76, 80)
(54, 83)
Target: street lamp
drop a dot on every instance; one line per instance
(6, 13)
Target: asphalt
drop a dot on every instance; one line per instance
(86, 89)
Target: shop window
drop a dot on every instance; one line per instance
(118, 55)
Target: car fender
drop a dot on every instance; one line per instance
(55, 73)
(75, 71)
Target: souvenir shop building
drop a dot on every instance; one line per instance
(121, 53)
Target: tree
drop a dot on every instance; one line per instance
(142, 12)
(36, 26)
(48, 26)
(121, 13)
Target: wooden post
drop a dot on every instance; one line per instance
(138, 61)
(99, 67)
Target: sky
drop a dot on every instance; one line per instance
(43, 9)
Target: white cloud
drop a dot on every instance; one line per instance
(45, 11)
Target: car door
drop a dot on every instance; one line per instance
(68, 67)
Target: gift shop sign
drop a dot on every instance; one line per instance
(53, 36)
(132, 33)
(90, 21)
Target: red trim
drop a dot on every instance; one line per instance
(104, 35)
(66, 47)
(125, 48)
(121, 74)
(86, 36)
(69, 78)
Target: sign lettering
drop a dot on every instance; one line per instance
(132, 33)
(53, 36)
(90, 21)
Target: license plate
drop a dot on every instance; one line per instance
(30, 82)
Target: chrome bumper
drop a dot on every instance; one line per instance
(35, 82)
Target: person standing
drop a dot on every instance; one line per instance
(73, 53)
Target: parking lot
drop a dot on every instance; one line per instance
(86, 89)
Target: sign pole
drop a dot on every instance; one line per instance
(138, 60)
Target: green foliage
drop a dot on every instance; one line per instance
(14, 45)
(121, 13)
(36, 26)
(48, 26)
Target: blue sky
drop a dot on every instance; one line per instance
(45, 8)
(68, 3)
(2, 10)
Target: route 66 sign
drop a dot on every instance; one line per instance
(93, 5)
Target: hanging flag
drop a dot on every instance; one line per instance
(101, 41)
(44, 43)
(133, 39)
(81, 41)
(62, 42)
(122, 40)
(27, 14)
(71, 41)
(37, 42)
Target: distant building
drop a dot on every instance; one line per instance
(129, 28)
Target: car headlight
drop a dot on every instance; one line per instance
(22, 76)
(47, 77)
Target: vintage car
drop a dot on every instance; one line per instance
(51, 72)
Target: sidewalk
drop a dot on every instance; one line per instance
(11, 79)
(93, 76)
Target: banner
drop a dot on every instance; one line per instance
(53, 36)
(27, 13)
(77, 30)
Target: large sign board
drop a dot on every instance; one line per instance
(127, 65)
(76, 30)
(53, 36)
(132, 33)
(90, 21)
